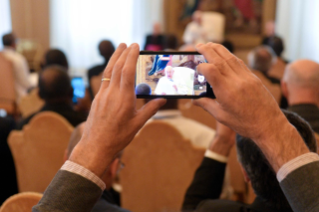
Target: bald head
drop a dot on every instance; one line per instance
(106, 49)
(75, 138)
(302, 73)
(261, 59)
(300, 83)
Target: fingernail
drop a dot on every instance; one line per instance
(134, 46)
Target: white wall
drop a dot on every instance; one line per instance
(297, 23)
(5, 19)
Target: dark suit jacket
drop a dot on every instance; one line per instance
(65, 110)
(205, 190)
(155, 40)
(70, 192)
(309, 112)
(107, 203)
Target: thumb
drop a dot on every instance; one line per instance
(148, 110)
(210, 105)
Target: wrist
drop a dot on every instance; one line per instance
(222, 145)
(281, 143)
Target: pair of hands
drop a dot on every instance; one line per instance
(242, 103)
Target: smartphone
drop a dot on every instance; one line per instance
(78, 88)
(171, 75)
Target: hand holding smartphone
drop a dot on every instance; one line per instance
(171, 75)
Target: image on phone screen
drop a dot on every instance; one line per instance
(170, 75)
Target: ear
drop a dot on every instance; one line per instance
(284, 89)
(246, 177)
(114, 167)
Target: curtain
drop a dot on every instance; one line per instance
(77, 26)
(5, 17)
(297, 23)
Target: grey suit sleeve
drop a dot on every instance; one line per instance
(69, 192)
(301, 188)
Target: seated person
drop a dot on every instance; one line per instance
(199, 135)
(20, 66)
(108, 200)
(143, 89)
(166, 84)
(56, 90)
(205, 189)
(155, 41)
(55, 57)
(8, 179)
(300, 85)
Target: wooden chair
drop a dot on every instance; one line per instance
(38, 150)
(22, 202)
(95, 83)
(159, 167)
(7, 87)
(317, 138)
(30, 103)
(189, 110)
(274, 89)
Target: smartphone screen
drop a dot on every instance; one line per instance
(78, 88)
(170, 75)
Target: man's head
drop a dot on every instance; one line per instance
(277, 44)
(270, 28)
(157, 28)
(106, 49)
(55, 85)
(112, 172)
(259, 172)
(198, 17)
(300, 83)
(55, 57)
(143, 89)
(9, 40)
(169, 72)
(261, 59)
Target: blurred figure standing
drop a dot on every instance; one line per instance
(155, 41)
(20, 65)
(106, 49)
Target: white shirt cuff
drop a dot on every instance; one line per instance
(215, 156)
(80, 170)
(296, 163)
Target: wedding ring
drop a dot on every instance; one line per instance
(106, 79)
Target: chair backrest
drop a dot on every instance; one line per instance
(30, 103)
(189, 110)
(7, 87)
(22, 202)
(274, 89)
(216, 31)
(38, 150)
(95, 83)
(159, 167)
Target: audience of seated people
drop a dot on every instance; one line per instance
(106, 49)
(300, 85)
(55, 57)
(272, 143)
(205, 189)
(20, 65)
(109, 200)
(56, 90)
